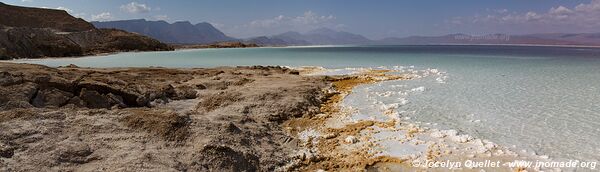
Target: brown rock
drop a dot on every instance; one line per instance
(6, 151)
(224, 158)
(168, 125)
(17, 96)
(186, 92)
(73, 151)
(93, 99)
(51, 97)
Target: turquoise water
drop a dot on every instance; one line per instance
(543, 99)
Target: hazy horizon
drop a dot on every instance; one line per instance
(243, 19)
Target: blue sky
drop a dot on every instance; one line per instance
(374, 19)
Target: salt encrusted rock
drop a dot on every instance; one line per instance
(306, 155)
(450, 132)
(351, 139)
(461, 138)
(437, 134)
(329, 136)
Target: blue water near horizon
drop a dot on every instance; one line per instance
(544, 99)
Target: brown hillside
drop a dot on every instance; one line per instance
(15, 16)
(37, 32)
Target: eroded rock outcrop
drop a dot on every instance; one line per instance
(41, 86)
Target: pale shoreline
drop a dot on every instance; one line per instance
(318, 134)
(300, 46)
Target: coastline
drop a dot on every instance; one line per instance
(295, 118)
(332, 141)
(308, 46)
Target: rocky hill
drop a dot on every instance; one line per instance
(35, 32)
(15, 16)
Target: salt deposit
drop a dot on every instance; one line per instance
(351, 139)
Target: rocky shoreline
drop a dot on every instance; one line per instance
(217, 119)
(132, 119)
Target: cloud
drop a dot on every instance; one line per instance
(102, 16)
(161, 17)
(309, 18)
(26, 0)
(218, 25)
(65, 9)
(135, 8)
(281, 23)
(584, 17)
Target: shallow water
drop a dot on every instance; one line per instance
(543, 99)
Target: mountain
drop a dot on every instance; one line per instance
(37, 32)
(532, 39)
(323, 36)
(212, 33)
(586, 38)
(182, 32)
(267, 41)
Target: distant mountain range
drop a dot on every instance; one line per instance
(325, 36)
(530, 39)
(321, 36)
(182, 32)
